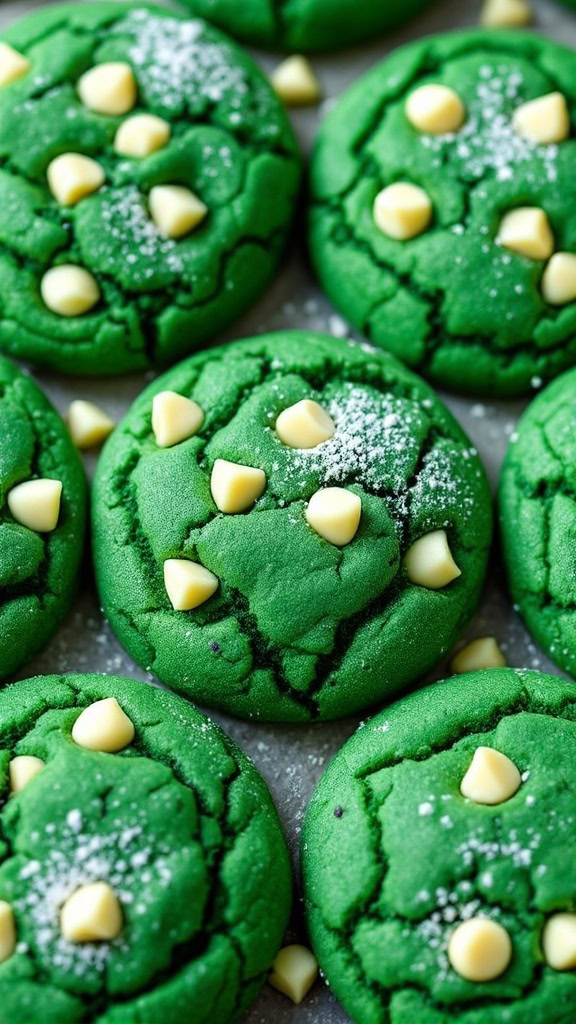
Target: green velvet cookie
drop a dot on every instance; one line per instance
(173, 821)
(286, 619)
(38, 568)
(156, 288)
(460, 300)
(306, 25)
(396, 859)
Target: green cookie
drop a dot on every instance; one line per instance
(395, 859)
(292, 625)
(230, 144)
(306, 25)
(38, 571)
(454, 301)
(179, 826)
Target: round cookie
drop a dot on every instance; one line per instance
(142, 864)
(290, 527)
(306, 25)
(426, 905)
(472, 278)
(538, 519)
(148, 180)
(42, 518)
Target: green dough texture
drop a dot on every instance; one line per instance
(394, 858)
(38, 571)
(298, 628)
(181, 826)
(538, 519)
(231, 144)
(306, 25)
(452, 303)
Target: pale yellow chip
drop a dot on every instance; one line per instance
(69, 290)
(7, 931)
(22, 770)
(91, 914)
(89, 425)
(73, 176)
(506, 14)
(13, 65)
(295, 83)
(175, 210)
(492, 778)
(234, 487)
(545, 120)
(334, 513)
(175, 418)
(483, 652)
(36, 504)
(294, 971)
(526, 230)
(435, 109)
(141, 135)
(103, 726)
(559, 279)
(429, 561)
(305, 425)
(402, 211)
(480, 949)
(109, 89)
(188, 584)
(559, 941)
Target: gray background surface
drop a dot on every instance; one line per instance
(292, 758)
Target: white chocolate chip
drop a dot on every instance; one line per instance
(429, 561)
(89, 425)
(527, 231)
(435, 109)
(36, 504)
(13, 65)
(103, 726)
(544, 120)
(479, 949)
(22, 770)
(7, 931)
(234, 487)
(188, 584)
(91, 914)
(69, 290)
(559, 279)
(141, 135)
(334, 513)
(559, 941)
(295, 83)
(175, 210)
(506, 14)
(305, 425)
(294, 971)
(174, 418)
(481, 653)
(108, 89)
(491, 778)
(402, 211)
(72, 176)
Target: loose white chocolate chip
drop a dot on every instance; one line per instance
(175, 210)
(234, 487)
(174, 418)
(559, 941)
(36, 504)
(22, 770)
(435, 109)
(506, 13)
(527, 231)
(402, 211)
(72, 176)
(334, 513)
(491, 778)
(69, 290)
(91, 914)
(141, 135)
(89, 425)
(103, 726)
(13, 65)
(305, 425)
(188, 584)
(108, 89)
(559, 279)
(544, 120)
(295, 83)
(7, 931)
(479, 949)
(294, 971)
(429, 561)
(481, 653)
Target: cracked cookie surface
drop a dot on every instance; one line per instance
(230, 144)
(38, 570)
(178, 823)
(296, 627)
(500, 335)
(395, 858)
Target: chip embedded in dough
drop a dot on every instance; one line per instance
(36, 504)
(91, 914)
(235, 488)
(103, 726)
(559, 941)
(492, 778)
(175, 418)
(13, 65)
(22, 770)
(109, 88)
(402, 211)
(72, 176)
(305, 425)
(334, 513)
(7, 931)
(544, 120)
(480, 949)
(559, 279)
(435, 109)
(69, 290)
(175, 210)
(526, 230)
(188, 584)
(429, 561)
(141, 135)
